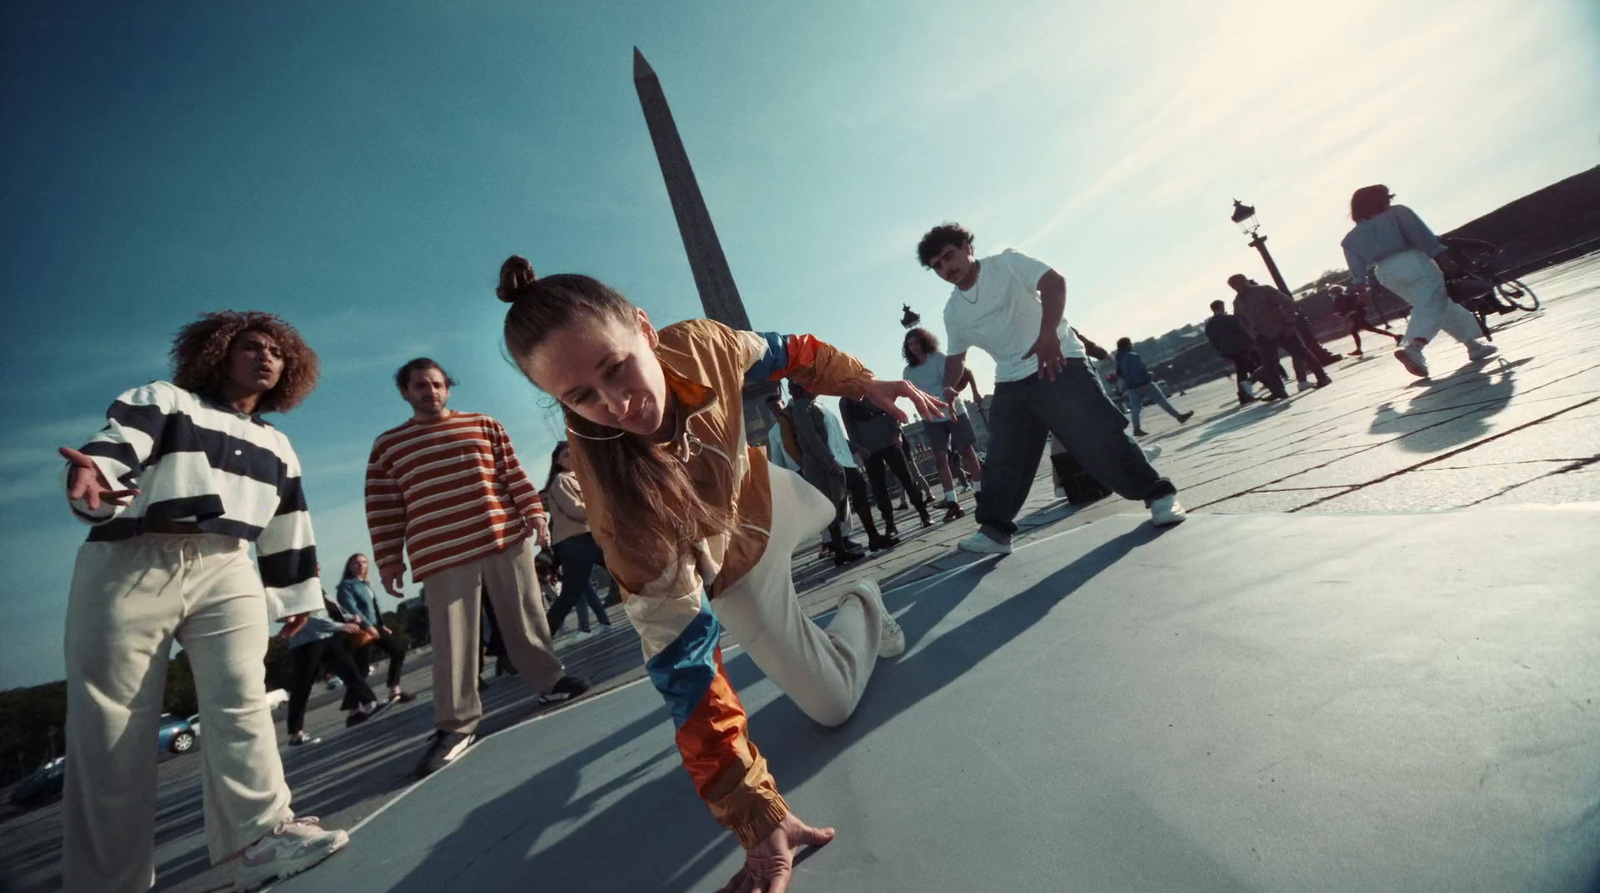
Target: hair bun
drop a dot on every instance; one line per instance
(516, 277)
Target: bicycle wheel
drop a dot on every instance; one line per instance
(1517, 295)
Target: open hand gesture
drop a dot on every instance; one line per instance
(86, 482)
(884, 393)
(1048, 350)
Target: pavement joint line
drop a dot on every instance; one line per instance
(1457, 451)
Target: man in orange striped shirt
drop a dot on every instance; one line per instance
(446, 488)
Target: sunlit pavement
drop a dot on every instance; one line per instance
(1026, 722)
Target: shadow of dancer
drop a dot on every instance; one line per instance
(651, 835)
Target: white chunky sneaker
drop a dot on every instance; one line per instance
(1410, 356)
(291, 848)
(891, 638)
(981, 543)
(1477, 351)
(1166, 512)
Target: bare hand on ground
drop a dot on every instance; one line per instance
(884, 393)
(85, 481)
(769, 865)
(1048, 350)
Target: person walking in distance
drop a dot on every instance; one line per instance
(826, 466)
(183, 479)
(879, 437)
(358, 602)
(1268, 315)
(691, 516)
(925, 368)
(1136, 378)
(1231, 342)
(1392, 242)
(575, 548)
(447, 489)
(321, 642)
(1012, 306)
(1349, 303)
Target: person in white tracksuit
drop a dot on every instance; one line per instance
(1393, 242)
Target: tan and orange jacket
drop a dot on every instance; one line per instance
(707, 366)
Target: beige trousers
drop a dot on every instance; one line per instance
(455, 599)
(1416, 279)
(824, 671)
(129, 600)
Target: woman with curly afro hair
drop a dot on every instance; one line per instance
(182, 479)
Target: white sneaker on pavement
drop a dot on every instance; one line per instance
(1477, 351)
(982, 544)
(891, 638)
(1410, 357)
(1151, 453)
(1167, 512)
(291, 848)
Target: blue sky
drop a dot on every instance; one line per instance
(362, 169)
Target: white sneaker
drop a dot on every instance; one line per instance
(1477, 351)
(891, 638)
(1410, 357)
(1302, 386)
(981, 543)
(1166, 512)
(291, 848)
(1151, 453)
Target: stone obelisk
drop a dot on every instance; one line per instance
(718, 294)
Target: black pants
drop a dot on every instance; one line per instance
(1358, 324)
(895, 460)
(1073, 408)
(856, 484)
(385, 645)
(1291, 344)
(305, 662)
(578, 555)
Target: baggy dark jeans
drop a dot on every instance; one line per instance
(1073, 407)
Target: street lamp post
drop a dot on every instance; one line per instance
(1245, 216)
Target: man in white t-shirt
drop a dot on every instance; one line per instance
(948, 437)
(1012, 306)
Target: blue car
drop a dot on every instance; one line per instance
(41, 787)
(176, 735)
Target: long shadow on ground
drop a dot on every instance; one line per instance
(659, 834)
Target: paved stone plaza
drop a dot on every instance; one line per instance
(1085, 778)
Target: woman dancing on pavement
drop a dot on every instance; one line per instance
(683, 506)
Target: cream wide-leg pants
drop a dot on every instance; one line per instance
(129, 600)
(1416, 279)
(824, 671)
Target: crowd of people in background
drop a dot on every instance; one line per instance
(656, 483)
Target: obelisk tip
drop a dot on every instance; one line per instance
(641, 68)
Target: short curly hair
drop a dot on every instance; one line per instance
(937, 238)
(200, 356)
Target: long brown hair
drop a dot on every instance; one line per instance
(349, 567)
(650, 501)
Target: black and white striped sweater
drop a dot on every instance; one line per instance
(200, 461)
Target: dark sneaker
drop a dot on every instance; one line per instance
(443, 749)
(952, 511)
(566, 688)
(404, 697)
(880, 543)
(358, 716)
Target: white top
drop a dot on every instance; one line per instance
(929, 379)
(838, 444)
(1001, 313)
(194, 460)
